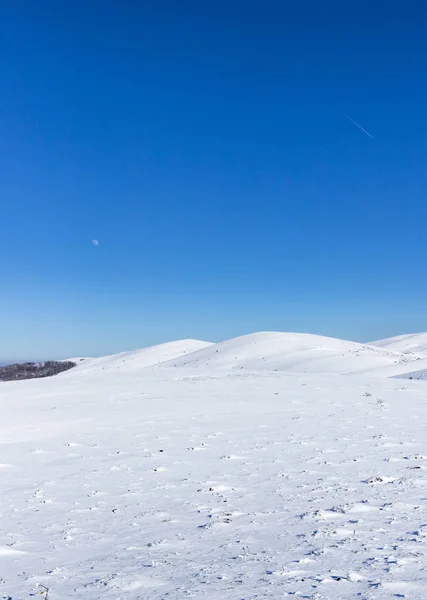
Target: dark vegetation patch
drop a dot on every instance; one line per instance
(32, 370)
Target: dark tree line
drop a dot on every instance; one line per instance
(32, 370)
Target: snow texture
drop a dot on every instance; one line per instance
(123, 479)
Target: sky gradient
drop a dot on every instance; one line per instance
(210, 149)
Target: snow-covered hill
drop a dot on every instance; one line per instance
(144, 357)
(291, 352)
(413, 343)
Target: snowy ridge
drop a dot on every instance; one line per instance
(142, 358)
(291, 352)
(413, 343)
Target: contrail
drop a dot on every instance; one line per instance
(359, 126)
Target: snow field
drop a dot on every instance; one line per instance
(172, 483)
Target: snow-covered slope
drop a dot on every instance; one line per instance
(174, 483)
(414, 343)
(297, 352)
(144, 357)
(416, 375)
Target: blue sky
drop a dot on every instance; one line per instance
(205, 145)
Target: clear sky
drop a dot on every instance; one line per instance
(206, 146)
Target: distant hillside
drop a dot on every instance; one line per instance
(293, 352)
(144, 357)
(412, 343)
(31, 370)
